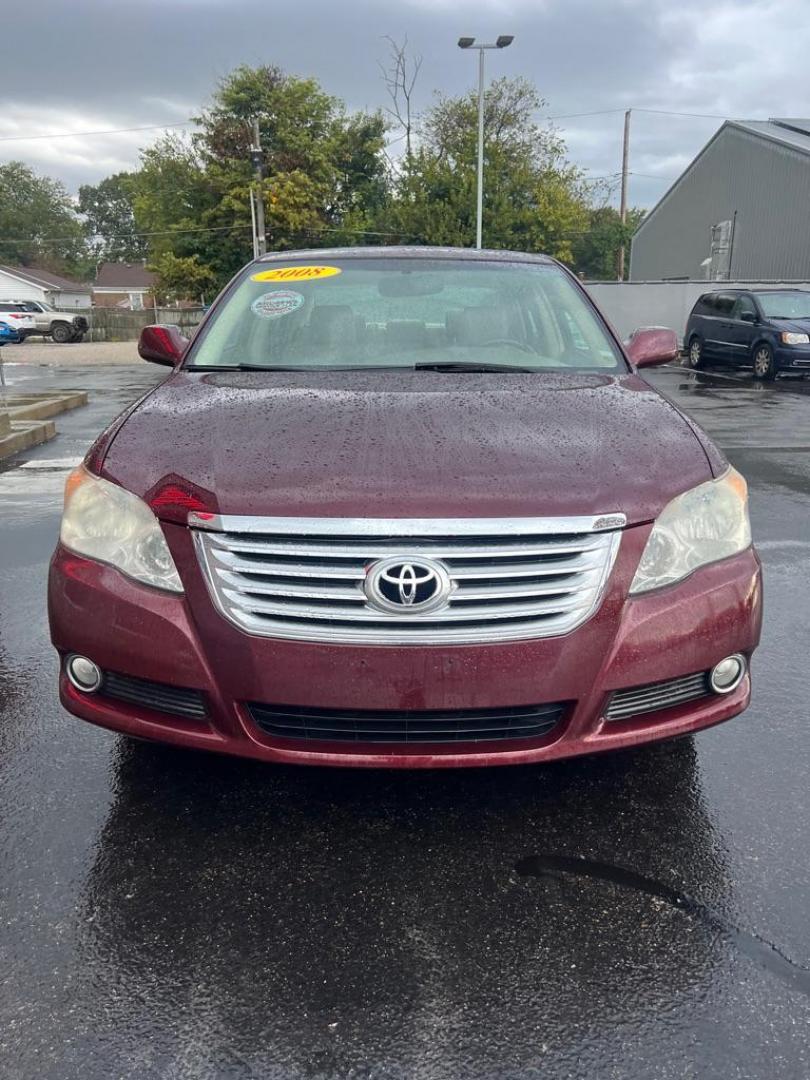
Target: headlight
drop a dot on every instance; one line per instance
(703, 525)
(794, 339)
(105, 522)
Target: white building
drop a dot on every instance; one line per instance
(31, 283)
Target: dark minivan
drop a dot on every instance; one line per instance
(768, 329)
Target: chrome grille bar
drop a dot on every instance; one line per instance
(510, 579)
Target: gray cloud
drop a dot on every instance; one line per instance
(99, 65)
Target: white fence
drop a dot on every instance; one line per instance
(631, 304)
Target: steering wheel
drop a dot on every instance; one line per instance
(510, 341)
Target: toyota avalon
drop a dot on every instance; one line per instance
(405, 507)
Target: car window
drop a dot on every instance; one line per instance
(706, 305)
(401, 312)
(724, 303)
(785, 305)
(744, 305)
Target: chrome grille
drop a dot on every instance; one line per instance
(511, 579)
(655, 696)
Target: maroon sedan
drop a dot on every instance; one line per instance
(405, 507)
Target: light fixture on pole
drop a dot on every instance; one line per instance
(501, 42)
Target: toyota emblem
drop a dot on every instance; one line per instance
(404, 585)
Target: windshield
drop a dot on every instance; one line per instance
(785, 305)
(405, 313)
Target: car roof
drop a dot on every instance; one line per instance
(406, 252)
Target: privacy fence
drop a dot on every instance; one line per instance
(112, 324)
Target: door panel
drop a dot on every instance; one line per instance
(742, 333)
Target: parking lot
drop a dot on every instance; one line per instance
(175, 915)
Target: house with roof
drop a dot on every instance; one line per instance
(740, 210)
(32, 283)
(124, 285)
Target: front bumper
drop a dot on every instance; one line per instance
(792, 357)
(137, 631)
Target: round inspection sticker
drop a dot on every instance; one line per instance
(272, 305)
(296, 273)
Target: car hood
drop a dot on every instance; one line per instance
(410, 444)
(792, 326)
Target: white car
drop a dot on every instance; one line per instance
(22, 321)
(62, 326)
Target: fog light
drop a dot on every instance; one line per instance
(728, 674)
(83, 674)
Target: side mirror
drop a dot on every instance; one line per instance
(652, 345)
(162, 345)
(749, 316)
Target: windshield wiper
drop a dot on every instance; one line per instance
(468, 365)
(268, 367)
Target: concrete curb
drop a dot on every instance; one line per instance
(22, 435)
(25, 418)
(41, 406)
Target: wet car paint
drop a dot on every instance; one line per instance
(168, 914)
(411, 444)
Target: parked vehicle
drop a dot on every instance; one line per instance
(22, 321)
(62, 326)
(8, 335)
(767, 329)
(405, 507)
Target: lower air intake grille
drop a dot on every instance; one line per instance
(655, 696)
(161, 697)
(371, 726)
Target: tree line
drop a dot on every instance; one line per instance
(332, 178)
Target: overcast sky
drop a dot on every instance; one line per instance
(97, 64)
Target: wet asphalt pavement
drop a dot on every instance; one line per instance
(176, 915)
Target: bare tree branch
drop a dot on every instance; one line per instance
(400, 75)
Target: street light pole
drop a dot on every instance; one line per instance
(479, 203)
(469, 43)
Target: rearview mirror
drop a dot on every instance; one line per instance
(748, 316)
(407, 283)
(652, 345)
(162, 344)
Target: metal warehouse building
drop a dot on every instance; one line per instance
(740, 211)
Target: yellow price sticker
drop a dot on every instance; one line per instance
(296, 273)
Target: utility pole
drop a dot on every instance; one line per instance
(623, 204)
(260, 241)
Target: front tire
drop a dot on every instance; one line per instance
(694, 356)
(61, 333)
(764, 365)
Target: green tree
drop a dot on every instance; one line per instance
(534, 200)
(38, 221)
(182, 278)
(110, 219)
(596, 250)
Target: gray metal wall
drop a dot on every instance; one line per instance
(629, 305)
(766, 183)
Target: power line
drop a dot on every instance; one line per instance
(108, 131)
(200, 229)
(655, 112)
(696, 115)
(597, 112)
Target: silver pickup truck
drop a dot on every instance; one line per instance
(62, 326)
